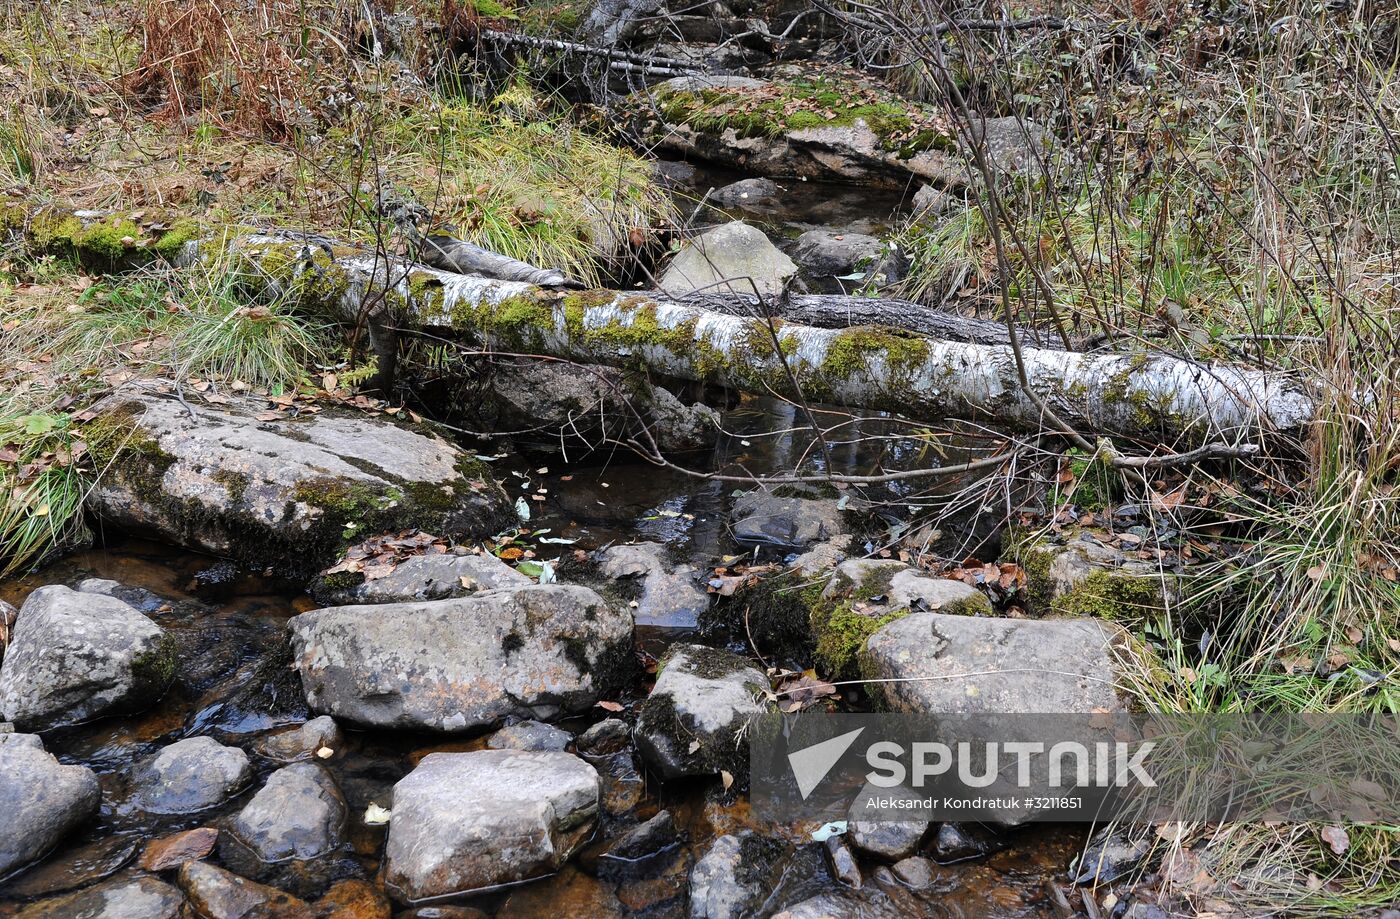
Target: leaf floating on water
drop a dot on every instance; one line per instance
(557, 541)
(610, 706)
(376, 815)
(547, 573)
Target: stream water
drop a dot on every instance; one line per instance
(234, 687)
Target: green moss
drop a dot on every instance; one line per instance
(1020, 546)
(850, 351)
(841, 635)
(155, 669)
(904, 127)
(1111, 595)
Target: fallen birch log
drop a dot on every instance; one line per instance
(1150, 399)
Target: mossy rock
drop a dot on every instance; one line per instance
(1087, 578)
(286, 494)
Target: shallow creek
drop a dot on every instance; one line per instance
(234, 687)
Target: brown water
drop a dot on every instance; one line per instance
(234, 687)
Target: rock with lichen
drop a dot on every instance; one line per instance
(77, 656)
(537, 651)
(1083, 573)
(690, 724)
(277, 488)
(731, 259)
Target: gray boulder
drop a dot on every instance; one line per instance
(731, 259)
(79, 656)
(891, 840)
(138, 898)
(672, 595)
(690, 723)
(746, 193)
(1016, 665)
(299, 814)
(304, 742)
(283, 491)
(455, 665)
(421, 577)
(793, 522)
(529, 735)
(191, 775)
(468, 821)
(903, 587)
(828, 258)
(41, 799)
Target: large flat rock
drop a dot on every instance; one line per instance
(467, 663)
(948, 664)
(285, 491)
(467, 821)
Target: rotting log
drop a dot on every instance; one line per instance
(1149, 399)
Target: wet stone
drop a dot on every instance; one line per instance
(916, 872)
(723, 883)
(218, 894)
(888, 839)
(146, 898)
(299, 814)
(73, 867)
(690, 723)
(78, 656)
(955, 842)
(41, 800)
(672, 595)
(191, 775)
(308, 741)
(790, 522)
(353, 899)
(746, 193)
(645, 840)
(174, 850)
(607, 736)
(529, 735)
(422, 577)
(842, 863)
(467, 821)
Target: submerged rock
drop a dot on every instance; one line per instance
(454, 665)
(731, 259)
(690, 724)
(299, 814)
(646, 839)
(146, 898)
(79, 656)
(724, 883)
(218, 894)
(420, 577)
(303, 742)
(1006, 666)
(671, 595)
(791, 522)
(467, 821)
(191, 775)
(42, 800)
(284, 492)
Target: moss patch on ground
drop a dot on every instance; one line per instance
(833, 100)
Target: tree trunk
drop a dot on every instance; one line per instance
(1151, 399)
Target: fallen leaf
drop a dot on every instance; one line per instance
(1337, 839)
(178, 848)
(726, 778)
(694, 746)
(609, 706)
(376, 815)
